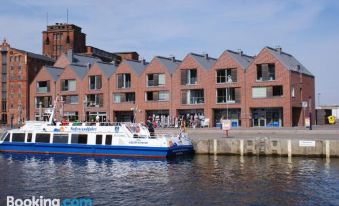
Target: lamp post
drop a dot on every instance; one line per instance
(318, 99)
(310, 110)
(135, 110)
(40, 111)
(228, 80)
(20, 113)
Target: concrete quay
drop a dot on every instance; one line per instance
(320, 142)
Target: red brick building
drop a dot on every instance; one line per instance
(62, 37)
(276, 86)
(267, 90)
(191, 84)
(18, 68)
(227, 93)
(156, 89)
(127, 100)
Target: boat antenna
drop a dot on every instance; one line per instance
(50, 120)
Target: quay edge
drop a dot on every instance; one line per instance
(266, 146)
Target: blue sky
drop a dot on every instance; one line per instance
(305, 28)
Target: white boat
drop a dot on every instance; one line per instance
(112, 139)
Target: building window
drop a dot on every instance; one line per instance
(42, 86)
(194, 96)
(226, 75)
(157, 96)
(154, 80)
(277, 91)
(189, 76)
(94, 82)
(124, 97)
(95, 100)
(228, 95)
(293, 92)
(71, 116)
(124, 80)
(3, 106)
(46, 102)
(265, 72)
(267, 92)
(70, 99)
(68, 85)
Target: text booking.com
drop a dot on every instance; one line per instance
(41, 201)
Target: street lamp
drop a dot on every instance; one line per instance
(319, 99)
(228, 80)
(135, 110)
(40, 111)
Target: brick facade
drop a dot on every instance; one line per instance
(266, 90)
(18, 69)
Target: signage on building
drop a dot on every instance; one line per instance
(226, 124)
(306, 143)
(304, 104)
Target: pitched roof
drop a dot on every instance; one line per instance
(36, 56)
(54, 71)
(137, 66)
(242, 59)
(289, 61)
(204, 60)
(107, 68)
(170, 63)
(81, 59)
(79, 70)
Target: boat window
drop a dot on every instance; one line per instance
(60, 138)
(42, 137)
(79, 138)
(6, 139)
(29, 137)
(108, 140)
(18, 137)
(98, 139)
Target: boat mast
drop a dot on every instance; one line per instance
(50, 120)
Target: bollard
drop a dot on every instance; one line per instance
(327, 149)
(289, 148)
(215, 142)
(241, 147)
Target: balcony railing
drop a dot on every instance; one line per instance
(42, 89)
(222, 99)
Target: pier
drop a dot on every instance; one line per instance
(321, 142)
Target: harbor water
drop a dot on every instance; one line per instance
(197, 180)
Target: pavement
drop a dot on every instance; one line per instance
(329, 132)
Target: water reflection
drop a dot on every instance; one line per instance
(198, 180)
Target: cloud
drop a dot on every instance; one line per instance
(176, 27)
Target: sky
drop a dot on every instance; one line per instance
(307, 29)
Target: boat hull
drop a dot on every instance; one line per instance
(96, 150)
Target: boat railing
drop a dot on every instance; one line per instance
(3, 136)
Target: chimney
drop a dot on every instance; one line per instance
(70, 55)
(172, 58)
(88, 65)
(143, 61)
(240, 52)
(206, 56)
(279, 49)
